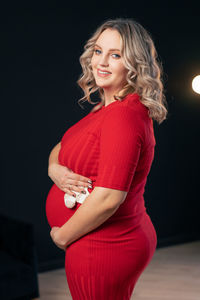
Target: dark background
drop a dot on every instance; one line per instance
(40, 50)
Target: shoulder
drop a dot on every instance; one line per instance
(129, 110)
(128, 117)
(123, 122)
(134, 101)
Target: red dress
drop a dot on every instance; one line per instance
(114, 147)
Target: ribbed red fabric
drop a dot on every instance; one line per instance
(114, 147)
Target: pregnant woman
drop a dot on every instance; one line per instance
(108, 238)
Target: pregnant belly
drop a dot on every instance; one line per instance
(56, 212)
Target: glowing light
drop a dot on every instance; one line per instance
(196, 84)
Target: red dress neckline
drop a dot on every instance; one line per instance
(103, 107)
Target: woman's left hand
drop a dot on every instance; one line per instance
(54, 233)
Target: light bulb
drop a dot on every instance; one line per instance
(196, 84)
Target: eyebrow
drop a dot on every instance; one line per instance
(109, 49)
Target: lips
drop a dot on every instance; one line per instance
(103, 71)
(103, 74)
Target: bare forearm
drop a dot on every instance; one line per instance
(91, 214)
(53, 157)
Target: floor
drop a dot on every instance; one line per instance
(173, 274)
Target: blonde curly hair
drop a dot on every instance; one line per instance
(141, 60)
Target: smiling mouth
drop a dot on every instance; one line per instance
(103, 73)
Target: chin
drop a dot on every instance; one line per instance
(101, 84)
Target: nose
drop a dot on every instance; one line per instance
(103, 61)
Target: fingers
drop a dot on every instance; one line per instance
(73, 182)
(69, 192)
(84, 179)
(71, 189)
(79, 180)
(76, 185)
(77, 177)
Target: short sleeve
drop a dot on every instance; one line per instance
(121, 139)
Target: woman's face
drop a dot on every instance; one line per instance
(107, 58)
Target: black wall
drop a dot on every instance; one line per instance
(40, 49)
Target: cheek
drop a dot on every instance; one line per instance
(121, 72)
(124, 73)
(119, 68)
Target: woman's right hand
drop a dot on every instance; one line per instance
(65, 178)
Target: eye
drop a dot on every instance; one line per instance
(117, 55)
(96, 51)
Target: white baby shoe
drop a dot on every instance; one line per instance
(70, 201)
